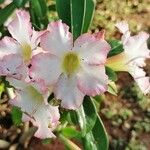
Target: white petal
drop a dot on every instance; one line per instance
(32, 104)
(92, 80)
(67, 91)
(57, 39)
(13, 66)
(46, 68)
(9, 46)
(91, 49)
(20, 27)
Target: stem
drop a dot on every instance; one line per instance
(69, 143)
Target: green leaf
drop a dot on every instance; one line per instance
(71, 132)
(89, 142)
(77, 14)
(2, 1)
(16, 115)
(116, 47)
(63, 10)
(38, 10)
(112, 88)
(86, 118)
(89, 13)
(2, 88)
(97, 138)
(100, 135)
(111, 74)
(19, 3)
(6, 12)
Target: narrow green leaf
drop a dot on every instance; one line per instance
(78, 8)
(38, 10)
(63, 10)
(100, 135)
(71, 132)
(89, 142)
(16, 115)
(19, 3)
(6, 12)
(77, 14)
(89, 13)
(116, 47)
(2, 88)
(112, 88)
(86, 118)
(111, 74)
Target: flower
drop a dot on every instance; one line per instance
(16, 52)
(32, 103)
(132, 59)
(72, 69)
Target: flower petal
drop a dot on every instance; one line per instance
(139, 76)
(45, 68)
(91, 49)
(31, 102)
(136, 46)
(122, 26)
(144, 84)
(20, 27)
(66, 90)
(13, 66)
(35, 38)
(92, 80)
(9, 46)
(57, 39)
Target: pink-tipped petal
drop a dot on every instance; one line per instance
(35, 38)
(45, 68)
(13, 66)
(9, 46)
(20, 27)
(92, 50)
(92, 80)
(32, 104)
(144, 84)
(66, 90)
(57, 39)
(122, 26)
(100, 35)
(136, 46)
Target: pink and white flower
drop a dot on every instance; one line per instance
(16, 52)
(133, 58)
(32, 103)
(72, 69)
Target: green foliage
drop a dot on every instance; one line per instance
(16, 115)
(2, 88)
(111, 74)
(112, 88)
(92, 129)
(116, 47)
(77, 14)
(6, 12)
(19, 3)
(71, 132)
(86, 118)
(38, 11)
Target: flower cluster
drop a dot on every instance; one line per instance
(38, 63)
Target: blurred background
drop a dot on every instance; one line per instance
(126, 116)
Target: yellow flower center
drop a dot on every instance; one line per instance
(71, 63)
(26, 52)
